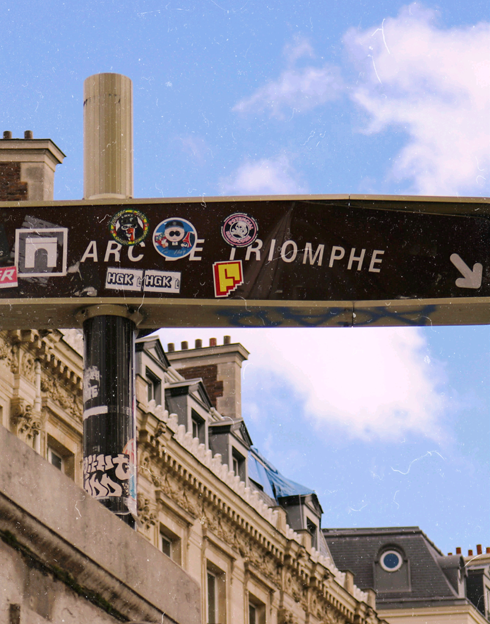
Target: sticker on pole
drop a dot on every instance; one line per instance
(174, 238)
(227, 277)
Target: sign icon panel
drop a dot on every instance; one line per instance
(41, 253)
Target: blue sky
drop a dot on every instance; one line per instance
(391, 427)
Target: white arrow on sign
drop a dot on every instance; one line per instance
(471, 278)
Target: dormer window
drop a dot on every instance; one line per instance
(154, 387)
(198, 425)
(313, 531)
(238, 464)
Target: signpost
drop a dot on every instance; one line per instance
(111, 263)
(261, 262)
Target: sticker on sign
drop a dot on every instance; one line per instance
(143, 281)
(8, 277)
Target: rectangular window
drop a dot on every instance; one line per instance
(170, 544)
(212, 598)
(154, 387)
(61, 457)
(55, 459)
(215, 595)
(198, 425)
(312, 530)
(166, 545)
(256, 611)
(238, 465)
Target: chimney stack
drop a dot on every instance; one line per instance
(27, 167)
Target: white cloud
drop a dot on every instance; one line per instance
(297, 89)
(195, 147)
(373, 384)
(434, 84)
(297, 49)
(267, 176)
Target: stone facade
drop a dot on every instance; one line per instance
(217, 527)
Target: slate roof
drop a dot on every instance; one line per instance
(433, 577)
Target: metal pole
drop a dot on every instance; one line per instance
(109, 403)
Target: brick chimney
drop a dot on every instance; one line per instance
(219, 366)
(27, 168)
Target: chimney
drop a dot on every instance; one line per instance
(458, 550)
(479, 549)
(27, 167)
(219, 366)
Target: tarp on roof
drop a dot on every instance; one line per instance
(273, 482)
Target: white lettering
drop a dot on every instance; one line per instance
(192, 255)
(358, 259)
(232, 253)
(254, 249)
(272, 249)
(313, 258)
(113, 249)
(132, 257)
(337, 254)
(375, 260)
(90, 252)
(284, 251)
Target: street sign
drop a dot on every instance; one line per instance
(258, 262)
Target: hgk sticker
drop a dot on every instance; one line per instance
(227, 277)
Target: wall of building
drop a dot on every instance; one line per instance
(65, 558)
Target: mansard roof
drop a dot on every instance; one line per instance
(432, 576)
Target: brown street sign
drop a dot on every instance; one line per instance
(258, 262)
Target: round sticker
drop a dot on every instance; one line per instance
(174, 238)
(129, 227)
(239, 230)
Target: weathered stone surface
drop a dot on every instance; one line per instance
(56, 535)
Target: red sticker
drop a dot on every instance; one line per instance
(8, 277)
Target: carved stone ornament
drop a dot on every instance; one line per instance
(6, 353)
(70, 401)
(147, 512)
(286, 617)
(27, 424)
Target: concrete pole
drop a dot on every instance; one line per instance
(108, 136)
(109, 418)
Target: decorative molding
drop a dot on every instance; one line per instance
(147, 512)
(25, 421)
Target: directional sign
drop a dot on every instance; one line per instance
(296, 261)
